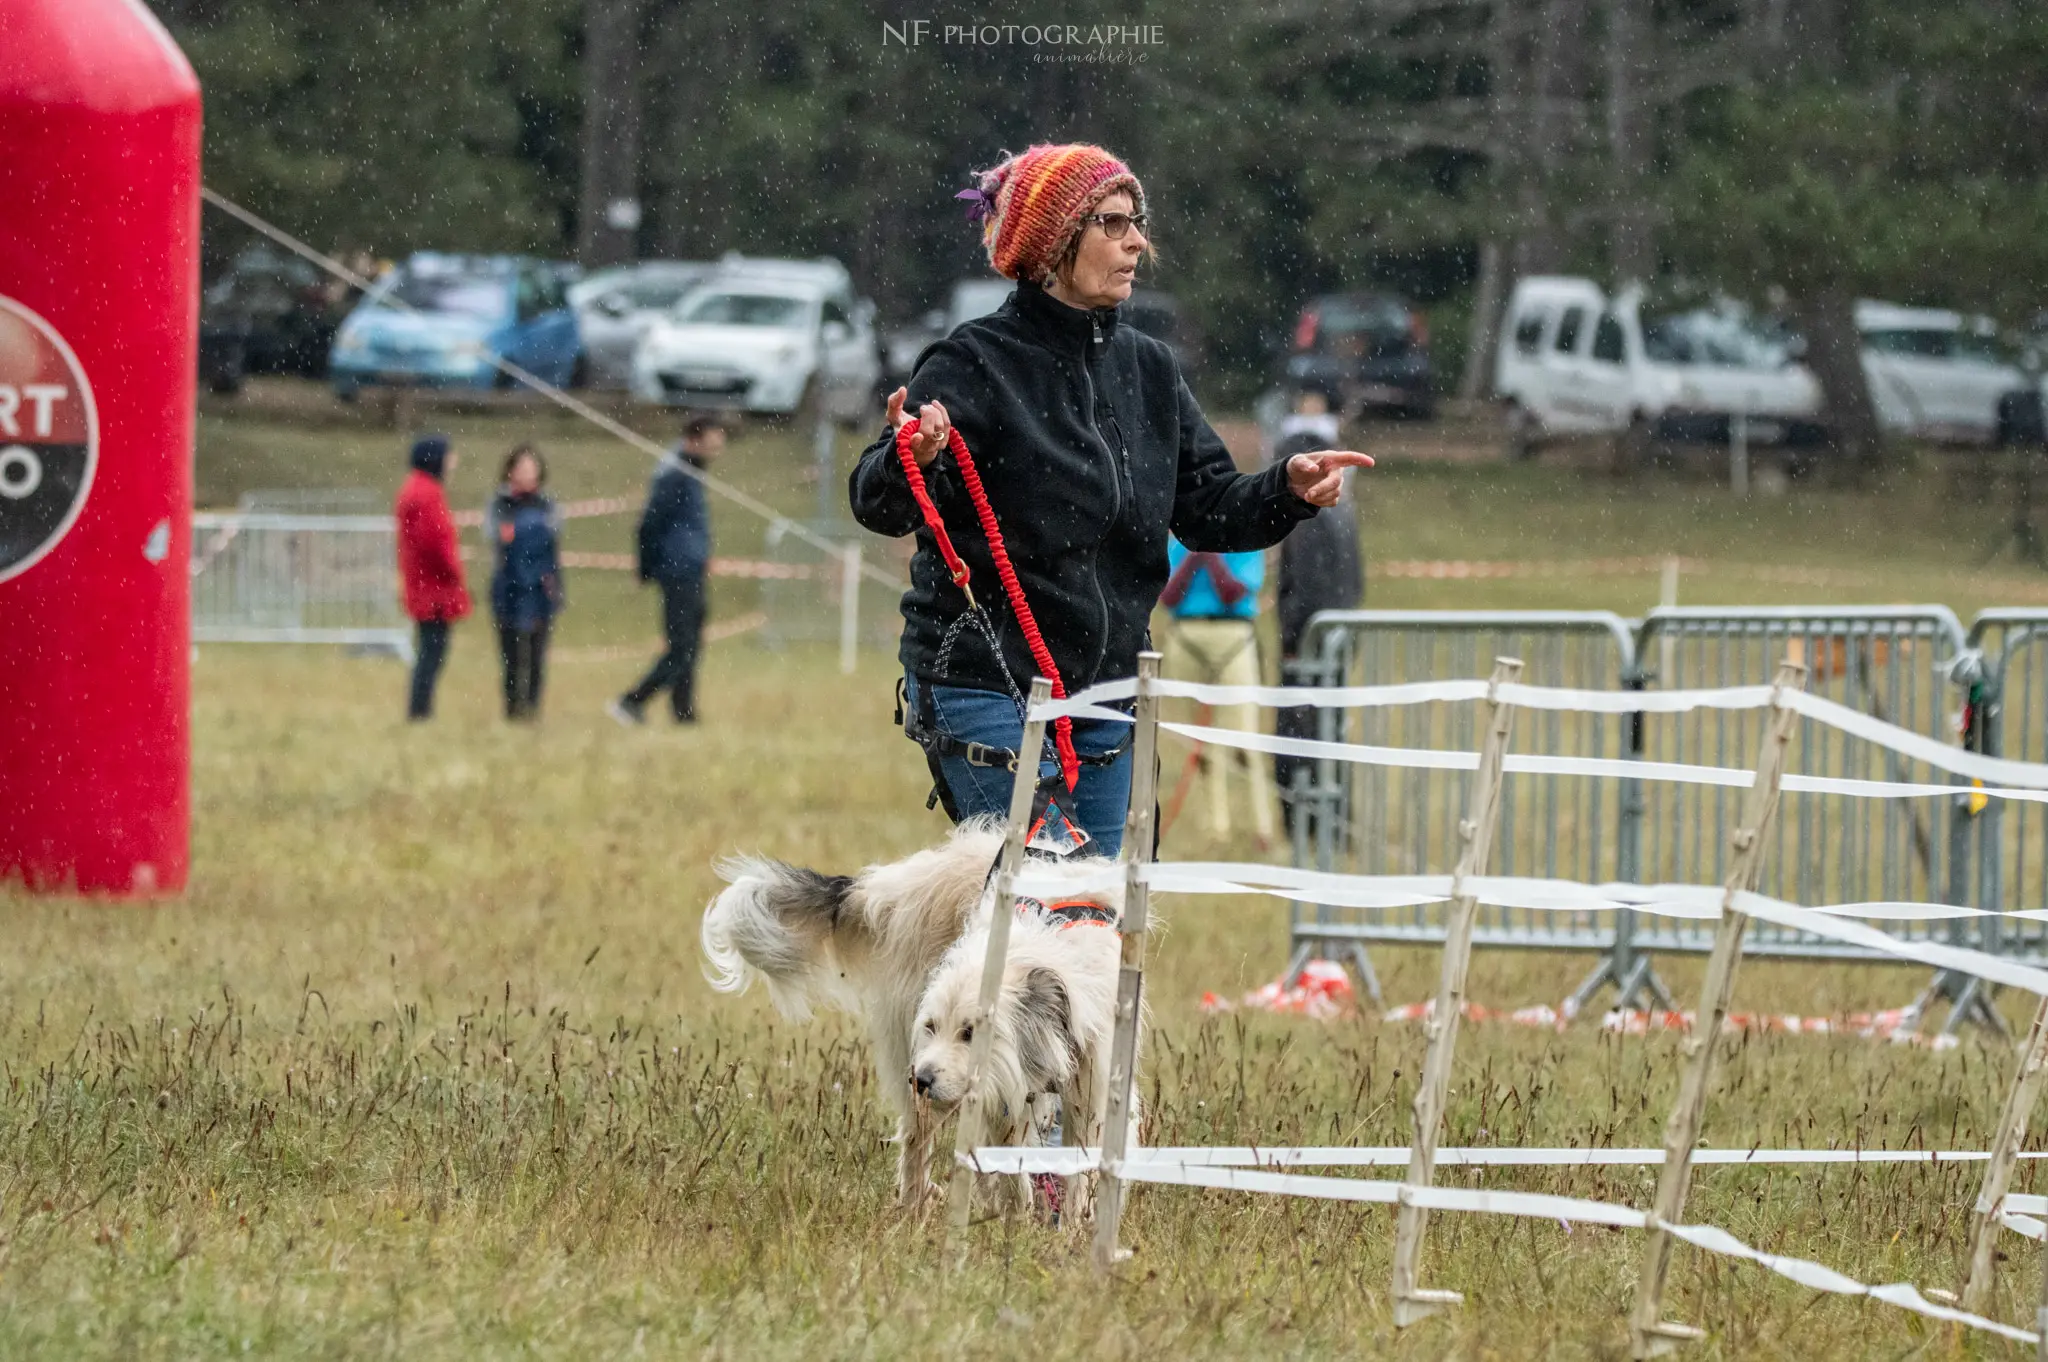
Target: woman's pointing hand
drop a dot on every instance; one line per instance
(932, 427)
(1318, 478)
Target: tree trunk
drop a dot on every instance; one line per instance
(1550, 87)
(1509, 93)
(1627, 140)
(608, 216)
(1484, 332)
(1834, 352)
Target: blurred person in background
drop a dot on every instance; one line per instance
(1090, 448)
(429, 564)
(1322, 567)
(1212, 605)
(1312, 412)
(675, 552)
(525, 530)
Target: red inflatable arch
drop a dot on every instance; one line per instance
(99, 276)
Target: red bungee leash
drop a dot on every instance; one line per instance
(1063, 727)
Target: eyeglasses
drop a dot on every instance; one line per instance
(1114, 225)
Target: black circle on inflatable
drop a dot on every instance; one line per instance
(49, 438)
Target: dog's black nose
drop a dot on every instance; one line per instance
(922, 1080)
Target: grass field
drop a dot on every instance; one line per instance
(422, 1065)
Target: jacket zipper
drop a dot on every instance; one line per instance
(1116, 506)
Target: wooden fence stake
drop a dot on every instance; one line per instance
(1650, 1334)
(1412, 1303)
(969, 1130)
(1130, 979)
(2005, 1149)
(2041, 1311)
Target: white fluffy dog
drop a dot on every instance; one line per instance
(901, 945)
(1054, 1022)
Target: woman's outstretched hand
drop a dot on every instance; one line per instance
(932, 426)
(1316, 478)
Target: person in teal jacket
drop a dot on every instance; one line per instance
(1213, 599)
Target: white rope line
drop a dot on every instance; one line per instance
(1090, 703)
(777, 520)
(1067, 1160)
(1695, 901)
(1437, 759)
(1526, 696)
(1537, 1205)
(1698, 902)
(1085, 704)
(2022, 1224)
(1365, 754)
(1917, 746)
(1997, 969)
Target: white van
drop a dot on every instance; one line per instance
(1934, 373)
(1572, 360)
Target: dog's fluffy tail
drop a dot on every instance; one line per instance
(774, 922)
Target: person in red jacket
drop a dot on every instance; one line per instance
(430, 564)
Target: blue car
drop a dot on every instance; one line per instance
(440, 320)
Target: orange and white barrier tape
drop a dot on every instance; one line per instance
(1320, 989)
(581, 509)
(760, 569)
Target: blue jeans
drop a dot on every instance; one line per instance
(1099, 799)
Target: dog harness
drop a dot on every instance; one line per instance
(1070, 912)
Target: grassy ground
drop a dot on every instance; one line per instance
(422, 1064)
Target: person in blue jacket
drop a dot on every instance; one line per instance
(675, 552)
(525, 531)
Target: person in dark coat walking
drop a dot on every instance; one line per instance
(429, 565)
(1321, 568)
(675, 552)
(1091, 449)
(526, 590)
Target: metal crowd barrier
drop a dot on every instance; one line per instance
(2006, 702)
(811, 596)
(275, 578)
(1913, 666)
(1377, 820)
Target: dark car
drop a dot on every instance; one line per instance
(271, 313)
(1160, 316)
(1370, 349)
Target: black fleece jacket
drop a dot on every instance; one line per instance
(1090, 448)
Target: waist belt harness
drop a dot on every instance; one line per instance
(920, 724)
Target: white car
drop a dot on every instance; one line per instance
(1572, 360)
(763, 340)
(1933, 373)
(975, 298)
(615, 307)
(970, 298)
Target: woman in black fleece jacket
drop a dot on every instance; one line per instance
(1091, 449)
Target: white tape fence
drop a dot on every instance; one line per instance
(1731, 906)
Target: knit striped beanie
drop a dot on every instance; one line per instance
(1031, 204)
